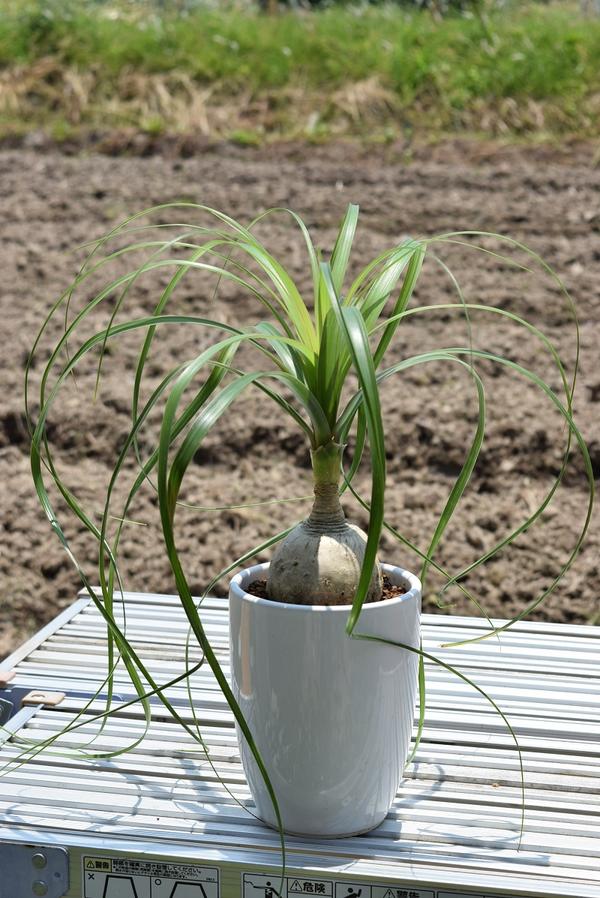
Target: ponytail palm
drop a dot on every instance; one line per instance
(321, 362)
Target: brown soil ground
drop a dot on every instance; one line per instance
(549, 198)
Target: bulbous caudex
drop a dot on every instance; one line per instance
(319, 562)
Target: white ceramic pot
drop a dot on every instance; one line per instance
(331, 716)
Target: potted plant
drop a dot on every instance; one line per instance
(324, 640)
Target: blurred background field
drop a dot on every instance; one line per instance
(228, 70)
(433, 117)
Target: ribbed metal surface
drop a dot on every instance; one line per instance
(456, 821)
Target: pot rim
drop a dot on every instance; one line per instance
(237, 590)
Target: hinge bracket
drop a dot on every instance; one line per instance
(33, 870)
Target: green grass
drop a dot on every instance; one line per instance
(529, 68)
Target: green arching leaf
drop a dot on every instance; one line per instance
(290, 298)
(139, 480)
(285, 351)
(460, 294)
(119, 229)
(510, 537)
(302, 393)
(210, 415)
(342, 248)
(455, 353)
(127, 652)
(247, 556)
(334, 361)
(37, 443)
(130, 657)
(219, 367)
(412, 274)
(347, 415)
(347, 484)
(286, 303)
(121, 299)
(463, 478)
(361, 436)
(322, 307)
(449, 238)
(422, 706)
(71, 364)
(205, 421)
(427, 656)
(588, 470)
(104, 339)
(106, 606)
(312, 253)
(337, 265)
(371, 301)
(166, 295)
(522, 528)
(87, 270)
(181, 423)
(350, 410)
(370, 273)
(353, 327)
(196, 624)
(107, 292)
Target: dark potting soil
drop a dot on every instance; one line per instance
(258, 588)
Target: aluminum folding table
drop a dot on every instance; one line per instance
(164, 821)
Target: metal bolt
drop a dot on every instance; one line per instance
(40, 887)
(39, 860)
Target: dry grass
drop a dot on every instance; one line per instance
(46, 95)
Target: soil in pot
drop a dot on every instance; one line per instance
(258, 588)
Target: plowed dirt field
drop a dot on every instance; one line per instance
(51, 202)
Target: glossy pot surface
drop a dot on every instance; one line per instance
(332, 716)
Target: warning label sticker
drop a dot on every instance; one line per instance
(360, 890)
(104, 877)
(269, 885)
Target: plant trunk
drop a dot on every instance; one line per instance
(327, 514)
(319, 562)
